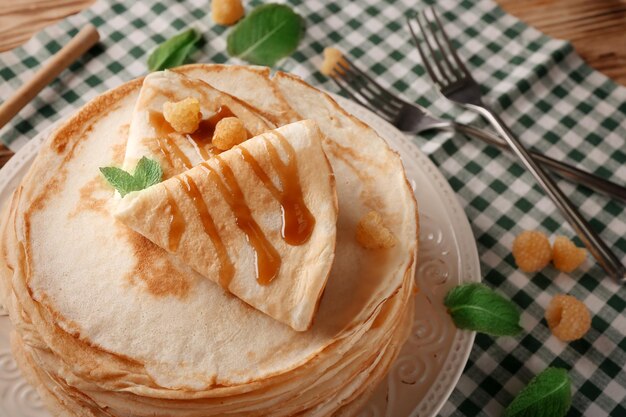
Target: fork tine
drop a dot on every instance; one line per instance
(439, 59)
(344, 86)
(397, 102)
(429, 34)
(353, 80)
(435, 32)
(463, 69)
(418, 44)
(376, 99)
(364, 90)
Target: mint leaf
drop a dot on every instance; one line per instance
(147, 173)
(546, 395)
(174, 51)
(120, 179)
(476, 307)
(267, 34)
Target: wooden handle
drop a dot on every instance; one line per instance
(5, 155)
(79, 44)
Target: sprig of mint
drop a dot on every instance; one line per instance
(174, 51)
(270, 32)
(477, 307)
(546, 395)
(148, 172)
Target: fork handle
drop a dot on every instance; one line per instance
(603, 254)
(562, 169)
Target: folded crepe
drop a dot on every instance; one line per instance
(250, 219)
(151, 135)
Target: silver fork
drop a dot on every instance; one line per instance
(456, 84)
(413, 118)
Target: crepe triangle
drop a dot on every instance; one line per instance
(151, 136)
(250, 219)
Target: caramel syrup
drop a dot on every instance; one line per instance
(200, 139)
(167, 145)
(199, 148)
(165, 153)
(298, 222)
(177, 222)
(267, 258)
(178, 153)
(205, 130)
(227, 270)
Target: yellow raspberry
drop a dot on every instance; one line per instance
(226, 12)
(531, 250)
(184, 116)
(371, 232)
(568, 318)
(229, 132)
(332, 56)
(566, 256)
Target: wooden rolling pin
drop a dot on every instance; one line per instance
(86, 38)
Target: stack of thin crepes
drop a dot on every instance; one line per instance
(112, 319)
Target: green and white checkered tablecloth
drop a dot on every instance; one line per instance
(549, 97)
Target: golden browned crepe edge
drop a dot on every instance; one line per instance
(286, 114)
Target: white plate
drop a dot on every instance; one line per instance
(432, 360)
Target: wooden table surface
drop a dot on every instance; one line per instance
(596, 28)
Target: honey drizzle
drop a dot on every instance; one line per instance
(165, 153)
(298, 222)
(166, 144)
(268, 260)
(200, 150)
(199, 140)
(206, 129)
(178, 153)
(177, 222)
(227, 270)
(203, 136)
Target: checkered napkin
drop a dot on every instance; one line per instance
(549, 97)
